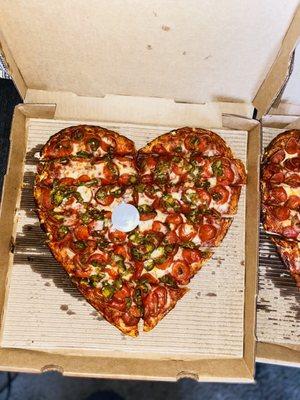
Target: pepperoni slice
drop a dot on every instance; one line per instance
(150, 162)
(147, 216)
(290, 232)
(119, 305)
(278, 194)
(204, 196)
(220, 194)
(292, 146)
(98, 258)
(293, 202)
(277, 178)
(126, 179)
(155, 302)
(227, 176)
(67, 181)
(45, 198)
(117, 236)
(121, 250)
(181, 272)
(171, 237)
(281, 213)
(191, 255)
(159, 149)
(293, 164)
(92, 143)
(165, 264)
(61, 149)
(269, 170)
(110, 172)
(112, 272)
(122, 293)
(129, 319)
(207, 232)
(150, 278)
(84, 178)
(103, 196)
(293, 180)
(108, 143)
(81, 232)
(186, 232)
(158, 226)
(175, 219)
(278, 157)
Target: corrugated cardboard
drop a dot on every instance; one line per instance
(169, 50)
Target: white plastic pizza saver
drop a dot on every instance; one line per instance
(125, 217)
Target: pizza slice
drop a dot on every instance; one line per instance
(290, 254)
(188, 140)
(86, 141)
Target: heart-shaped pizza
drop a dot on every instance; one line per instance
(185, 185)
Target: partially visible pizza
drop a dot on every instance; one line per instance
(280, 185)
(185, 185)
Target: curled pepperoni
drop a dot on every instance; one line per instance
(45, 198)
(293, 202)
(293, 180)
(227, 176)
(110, 173)
(204, 196)
(81, 232)
(67, 181)
(291, 146)
(130, 319)
(281, 213)
(278, 157)
(277, 178)
(121, 250)
(171, 237)
(181, 272)
(293, 164)
(186, 231)
(174, 219)
(108, 143)
(207, 232)
(191, 255)
(117, 236)
(122, 293)
(100, 258)
(158, 226)
(155, 302)
(269, 170)
(220, 194)
(290, 232)
(278, 194)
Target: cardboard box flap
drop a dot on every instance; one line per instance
(219, 51)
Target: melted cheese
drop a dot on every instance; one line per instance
(85, 192)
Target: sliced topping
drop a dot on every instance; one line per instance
(278, 157)
(93, 143)
(108, 143)
(220, 194)
(81, 232)
(104, 196)
(110, 173)
(191, 255)
(181, 272)
(186, 231)
(293, 202)
(207, 232)
(281, 213)
(146, 212)
(174, 219)
(292, 146)
(278, 194)
(155, 301)
(293, 164)
(169, 203)
(117, 236)
(83, 154)
(161, 171)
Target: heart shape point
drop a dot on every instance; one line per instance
(131, 228)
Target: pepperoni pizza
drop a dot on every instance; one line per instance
(185, 185)
(281, 197)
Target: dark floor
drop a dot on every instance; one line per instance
(272, 382)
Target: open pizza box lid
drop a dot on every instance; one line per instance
(278, 313)
(160, 64)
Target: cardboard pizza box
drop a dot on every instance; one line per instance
(278, 313)
(142, 69)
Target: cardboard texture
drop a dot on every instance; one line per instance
(278, 303)
(238, 347)
(46, 312)
(181, 54)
